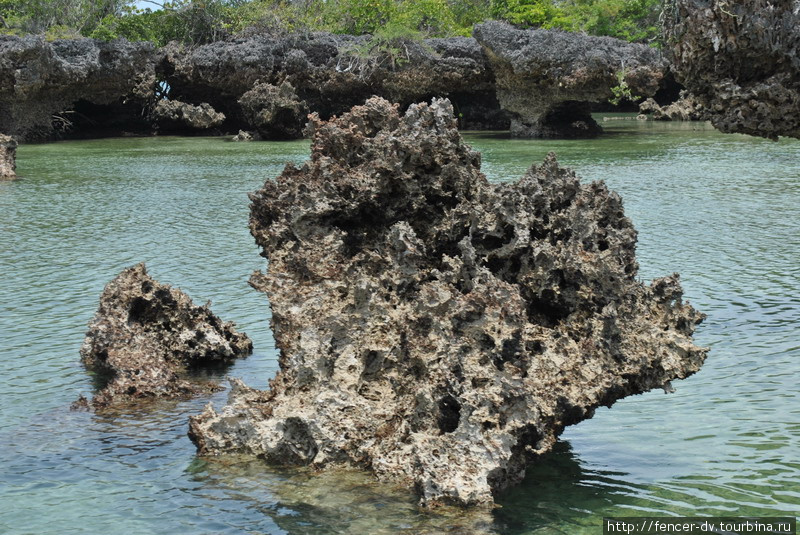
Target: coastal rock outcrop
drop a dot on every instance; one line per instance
(8, 157)
(329, 74)
(547, 79)
(436, 328)
(51, 85)
(174, 114)
(145, 335)
(740, 60)
(274, 111)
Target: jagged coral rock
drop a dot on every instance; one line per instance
(548, 78)
(145, 334)
(177, 114)
(740, 60)
(275, 111)
(8, 157)
(436, 328)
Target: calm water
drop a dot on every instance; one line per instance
(723, 210)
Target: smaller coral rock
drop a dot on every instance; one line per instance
(145, 334)
(686, 108)
(275, 111)
(8, 152)
(177, 114)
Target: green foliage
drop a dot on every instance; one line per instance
(631, 20)
(622, 90)
(202, 21)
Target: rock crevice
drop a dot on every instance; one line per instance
(436, 328)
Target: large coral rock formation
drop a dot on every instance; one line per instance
(174, 114)
(8, 157)
(433, 327)
(145, 335)
(274, 111)
(547, 79)
(740, 59)
(99, 81)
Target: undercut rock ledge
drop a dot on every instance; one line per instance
(433, 327)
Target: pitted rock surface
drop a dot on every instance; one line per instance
(547, 79)
(741, 60)
(433, 327)
(145, 335)
(8, 157)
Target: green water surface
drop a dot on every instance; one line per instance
(723, 210)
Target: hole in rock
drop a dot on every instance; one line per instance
(449, 414)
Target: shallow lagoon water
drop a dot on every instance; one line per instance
(723, 210)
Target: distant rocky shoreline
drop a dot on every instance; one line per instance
(537, 83)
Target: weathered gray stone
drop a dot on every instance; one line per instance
(433, 327)
(741, 60)
(145, 335)
(547, 79)
(8, 157)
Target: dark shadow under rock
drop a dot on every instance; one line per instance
(435, 328)
(146, 335)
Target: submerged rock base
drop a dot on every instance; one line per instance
(145, 334)
(8, 157)
(433, 327)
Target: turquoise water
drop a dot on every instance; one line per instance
(723, 210)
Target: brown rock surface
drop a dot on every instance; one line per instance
(433, 327)
(145, 335)
(8, 157)
(741, 60)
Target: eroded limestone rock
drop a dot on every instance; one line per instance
(740, 59)
(433, 327)
(547, 79)
(8, 157)
(145, 335)
(172, 114)
(275, 111)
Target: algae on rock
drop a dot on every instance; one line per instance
(145, 334)
(436, 328)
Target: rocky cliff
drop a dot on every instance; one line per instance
(547, 79)
(47, 85)
(433, 327)
(741, 60)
